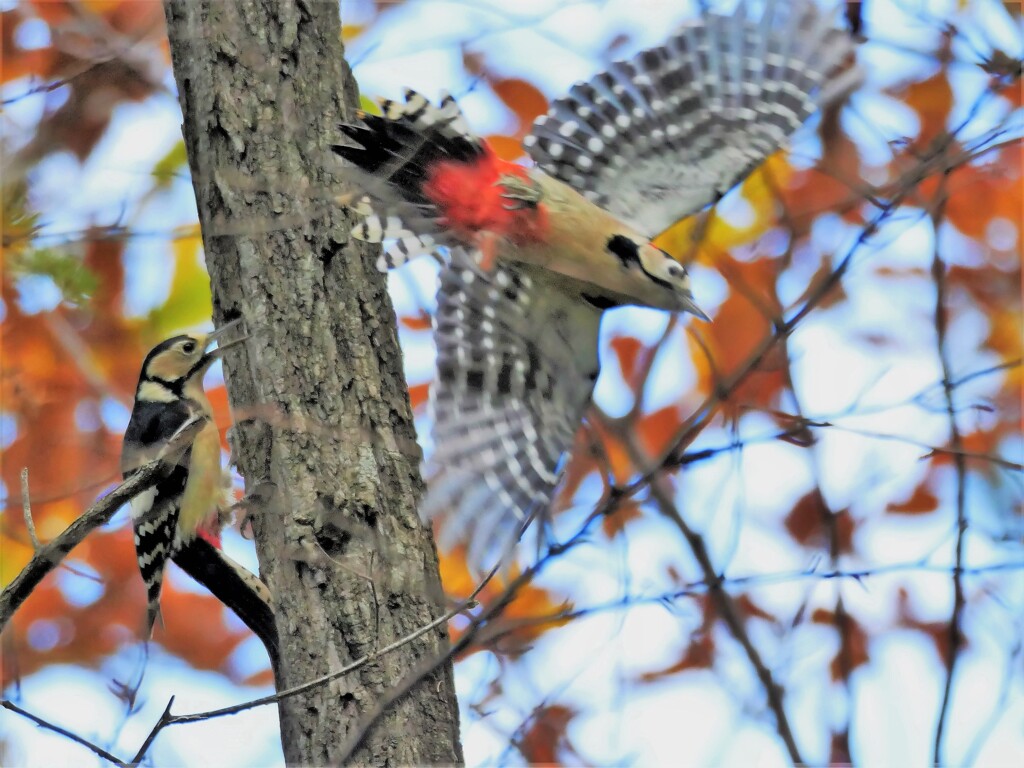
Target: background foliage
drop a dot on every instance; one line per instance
(855, 484)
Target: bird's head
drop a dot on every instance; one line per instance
(669, 282)
(176, 362)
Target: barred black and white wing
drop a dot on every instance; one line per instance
(658, 137)
(516, 365)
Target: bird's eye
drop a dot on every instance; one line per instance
(676, 271)
(188, 347)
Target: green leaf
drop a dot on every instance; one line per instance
(368, 105)
(74, 280)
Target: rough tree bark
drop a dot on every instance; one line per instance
(323, 423)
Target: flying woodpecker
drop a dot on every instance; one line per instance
(533, 255)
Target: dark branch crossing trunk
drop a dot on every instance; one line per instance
(324, 428)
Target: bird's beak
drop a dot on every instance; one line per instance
(689, 305)
(213, 354)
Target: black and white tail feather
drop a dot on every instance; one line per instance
(155, 515)
(392, 153)
(652, 140)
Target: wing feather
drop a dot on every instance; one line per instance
(516, 364)
(660, 136)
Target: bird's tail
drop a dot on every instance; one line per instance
(427, 181)
(152, 615)
(154, 545)
(394, 155)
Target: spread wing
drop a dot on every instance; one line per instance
(516, 364)
(658, 137)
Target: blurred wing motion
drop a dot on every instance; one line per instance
(658, 137)
(516, 365)
(537, 254)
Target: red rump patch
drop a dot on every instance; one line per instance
(209, 529)
(470, 200)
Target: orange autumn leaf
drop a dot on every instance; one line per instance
(615, 522)
(419, 394)
(521, 97)
(975, 195)
(18, 62)
(420, 322)
(547, 735)
(740, 326)
(932, 100)
(506, 147)
(262, 678)
(750, 609)
(809, 522)
(699, 654)
(839, 750)
(921, 501)
(522, 620)
(182, 612)
(455, 576)
(528, 613)
(616, 458)
(656, 430)
(627, 351)
(853, 642)
(585, 458)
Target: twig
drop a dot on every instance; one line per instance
(62, 731)
(53, 552)
(168, 719)
(361, 662)
(960, 465)
(841, 620)
(428, 666)
(164, 719)
(727, 610)
(26, 510)
(906, 184)
(703, 586)
(999, 708)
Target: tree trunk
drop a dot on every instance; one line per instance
(324, 429)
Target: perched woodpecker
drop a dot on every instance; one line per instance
(532, 256)
(169, 514)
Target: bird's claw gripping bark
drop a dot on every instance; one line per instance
(523, 192)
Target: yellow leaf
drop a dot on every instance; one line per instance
(701, 236)
(189, 302)
(350, 32)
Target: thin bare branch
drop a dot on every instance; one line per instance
(165, 718)
(26, 510)
(731, 616)
(168, 719)
(703, 586)
(53, 552)
(62, 731)
(960, 465)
